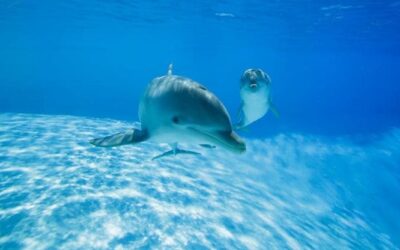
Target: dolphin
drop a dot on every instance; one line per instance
(175, 109)
(255, 95)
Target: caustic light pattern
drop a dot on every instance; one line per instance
(290, 191)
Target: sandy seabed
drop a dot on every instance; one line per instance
(290, 191)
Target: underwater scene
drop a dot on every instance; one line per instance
(220, 124)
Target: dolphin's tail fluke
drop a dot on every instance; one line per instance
(129, 137)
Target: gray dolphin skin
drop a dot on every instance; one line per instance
(255, 95)
(176, 109)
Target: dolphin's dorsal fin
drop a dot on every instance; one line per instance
(170, 66)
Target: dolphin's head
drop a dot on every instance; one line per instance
(177, 109)
(208, 125)
(254, 79)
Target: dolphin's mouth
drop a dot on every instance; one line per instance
(230, 141)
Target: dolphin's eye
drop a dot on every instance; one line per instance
(175, 119)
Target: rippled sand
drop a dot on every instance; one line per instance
(291, 191)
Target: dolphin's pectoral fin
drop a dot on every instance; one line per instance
(170, 152)
(129, 137)
(241, 119)
(274, 110)
(207, 146)
(243, 128)
(188, 152)
(240, 115)
(175, 151)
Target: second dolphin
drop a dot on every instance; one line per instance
(255, 95)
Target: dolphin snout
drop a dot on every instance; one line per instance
(253, 85)
(225, 139)
(233, 142)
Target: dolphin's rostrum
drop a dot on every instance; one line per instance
(176, 109)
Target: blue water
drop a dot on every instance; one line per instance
(324, 175)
